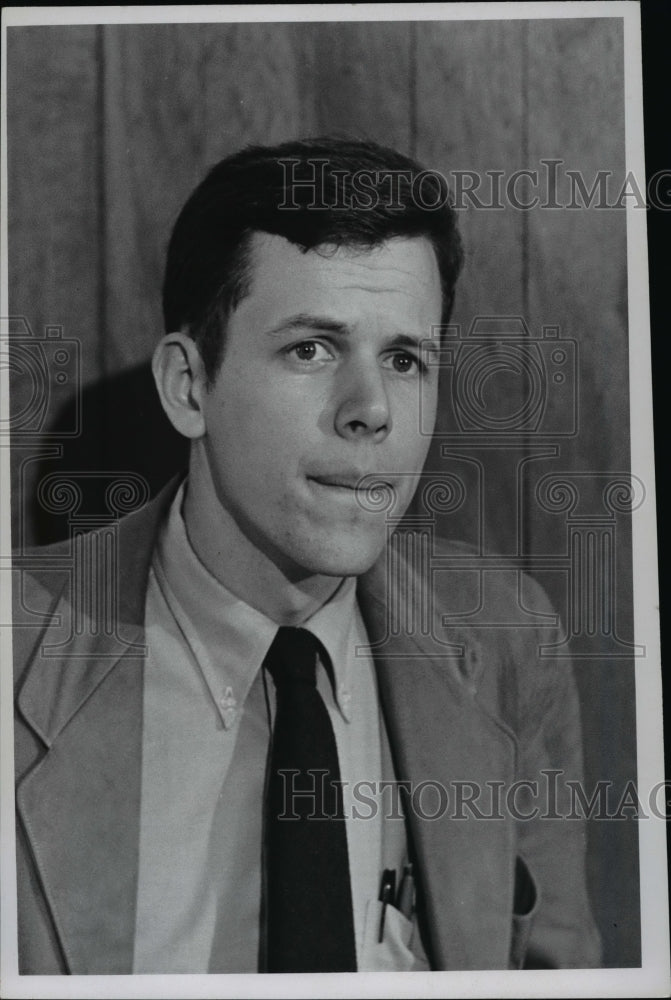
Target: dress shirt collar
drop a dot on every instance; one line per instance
(214, 621)
(334, 624)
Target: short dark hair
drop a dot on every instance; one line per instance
(313, 192)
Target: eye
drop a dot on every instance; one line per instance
(405, 363)
(309, 350)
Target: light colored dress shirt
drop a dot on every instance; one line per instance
(207, 720)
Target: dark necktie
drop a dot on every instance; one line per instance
(309, 920)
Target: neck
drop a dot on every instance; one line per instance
(283, 593)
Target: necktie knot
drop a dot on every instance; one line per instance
(292, 657)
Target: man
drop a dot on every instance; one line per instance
(200, 787)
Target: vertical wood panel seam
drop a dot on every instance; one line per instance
(412, 85)
(526, 499)
(525, 165)
(101, 176)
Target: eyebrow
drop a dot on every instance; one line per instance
(309, 322)
(306, 321)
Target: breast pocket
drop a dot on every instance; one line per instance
(399, 950)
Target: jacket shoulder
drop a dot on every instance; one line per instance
(41, 573)
(44, 578)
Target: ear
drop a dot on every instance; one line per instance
(180, 379)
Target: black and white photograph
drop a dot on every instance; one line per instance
(330, 613)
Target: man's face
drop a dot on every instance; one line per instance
(319, 386)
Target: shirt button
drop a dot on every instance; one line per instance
(344, 697)
(228, 706)
(229, 716)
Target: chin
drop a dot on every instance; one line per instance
(352, 558)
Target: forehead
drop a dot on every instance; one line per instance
(398, 276)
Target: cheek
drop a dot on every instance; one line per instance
(271, 417)
(413, 437)
(428, 407)
(240, 427)
(257, 467)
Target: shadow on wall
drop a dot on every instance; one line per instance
(125, 436)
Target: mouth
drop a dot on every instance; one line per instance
(336, 481)
(348, 479)
(349, 484)
(335, 485)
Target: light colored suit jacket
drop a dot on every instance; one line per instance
(495, 893)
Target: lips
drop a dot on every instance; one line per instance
(347, 479)
(368, 491)
(344, 482)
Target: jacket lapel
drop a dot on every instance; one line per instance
(80, 804)
(441, 734)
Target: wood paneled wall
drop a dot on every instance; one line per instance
(110, 128)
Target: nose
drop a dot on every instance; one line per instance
(363, 408)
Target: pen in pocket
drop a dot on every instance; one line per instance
(387, 889)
